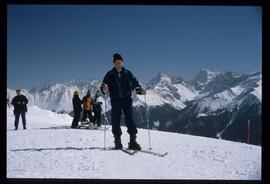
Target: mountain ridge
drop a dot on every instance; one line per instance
(176, 104)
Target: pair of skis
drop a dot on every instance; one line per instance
(132, 152)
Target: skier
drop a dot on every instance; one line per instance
(19, 102)
(77, 108)
(120, 82)
(87, 107)
(97, 108)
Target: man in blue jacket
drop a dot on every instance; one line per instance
(19, 102)
(120, 82)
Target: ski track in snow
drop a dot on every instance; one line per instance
(41, 152)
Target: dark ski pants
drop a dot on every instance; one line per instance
(124, 104)
(17, 116)
(97, 118)
(76, 120)
(87, 113)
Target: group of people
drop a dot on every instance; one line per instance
(119, 84)
(91, 108)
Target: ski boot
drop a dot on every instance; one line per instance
(117, 143)
(133, 144)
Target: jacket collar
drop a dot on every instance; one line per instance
(122, 71)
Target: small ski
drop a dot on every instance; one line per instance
(92, 128)
(154, 153)
(100, 129)
(129, 151)
(125, 150)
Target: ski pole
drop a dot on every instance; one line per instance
(147, 122)
(105, 120)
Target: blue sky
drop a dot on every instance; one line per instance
(48, 44)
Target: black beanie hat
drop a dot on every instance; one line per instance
(117, 56)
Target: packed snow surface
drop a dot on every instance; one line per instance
(48, 148)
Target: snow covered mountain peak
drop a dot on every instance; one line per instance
(160, 78)
(228, 88)
(209, 73)
(163, 89)
(76, 82)
(231, 74)
(164, 76)
(204, 77)
(175, 103)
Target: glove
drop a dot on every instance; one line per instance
(139, 91)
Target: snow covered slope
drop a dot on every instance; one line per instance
(49, 149)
